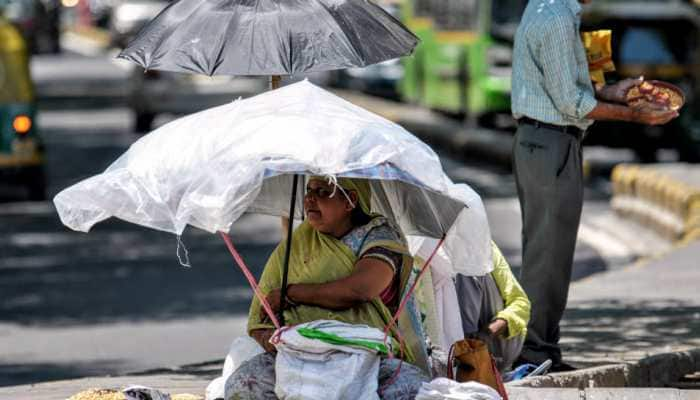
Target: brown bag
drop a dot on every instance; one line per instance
(474, 363)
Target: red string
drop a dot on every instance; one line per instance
(398, 312)
(251, 279)
(390, 355)
(499, 380)
(450, 363)
(412, 288)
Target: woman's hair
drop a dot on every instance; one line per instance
(358, 217)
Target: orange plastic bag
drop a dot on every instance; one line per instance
(599, 53)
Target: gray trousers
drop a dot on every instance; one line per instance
(548, 174)
(479, 302)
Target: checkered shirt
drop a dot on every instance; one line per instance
(550, 71)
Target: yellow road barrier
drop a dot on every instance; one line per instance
(664, 197)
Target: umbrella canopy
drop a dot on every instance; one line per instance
(208, 168)
(268, 37)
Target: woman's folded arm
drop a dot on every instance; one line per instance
(370, 277)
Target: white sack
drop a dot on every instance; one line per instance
(242, 349)
(310, 369)
(447, 389)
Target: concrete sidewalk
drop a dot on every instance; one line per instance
(647, 308)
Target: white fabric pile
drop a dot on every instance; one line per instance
(242, 349)
(312, 369)
(447, 389)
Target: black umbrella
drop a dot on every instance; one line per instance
(269, 37)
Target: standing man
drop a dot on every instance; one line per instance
(554, 102)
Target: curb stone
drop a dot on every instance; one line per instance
(658, 370)
(664, 197)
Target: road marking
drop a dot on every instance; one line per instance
(27, 209)
(81, 45)
(607, 245)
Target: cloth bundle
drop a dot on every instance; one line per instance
(328, 360)
(444, 389)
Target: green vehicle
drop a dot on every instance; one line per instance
(463, 63)
(21, 150)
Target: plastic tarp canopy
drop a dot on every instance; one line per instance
(208, 168)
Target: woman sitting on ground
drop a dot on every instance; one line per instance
(497, 305)
(346, 265)
(493, 307)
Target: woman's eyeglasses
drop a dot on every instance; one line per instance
(319, 192)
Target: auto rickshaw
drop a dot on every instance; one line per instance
(21, 149)
(660, 40)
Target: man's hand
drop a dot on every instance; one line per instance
(262, 336)
(652, 116)
(498, 326)
(617, 93)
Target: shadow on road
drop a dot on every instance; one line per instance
(15, 373)
(121, 272)
(611, 330)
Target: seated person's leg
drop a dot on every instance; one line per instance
(479, 302)
(405, 385)
(470, 295)
(253, 380)
(505, 351)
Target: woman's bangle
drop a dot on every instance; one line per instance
(288, 299)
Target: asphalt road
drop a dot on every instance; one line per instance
(116, 300)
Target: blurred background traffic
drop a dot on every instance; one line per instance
(461, 69)
(69, 107)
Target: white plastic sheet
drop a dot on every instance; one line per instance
(310, 369)
(242, 349)
(138, 392)
(446, 389)
(207, 169)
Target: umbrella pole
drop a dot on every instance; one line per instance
(288, 249)
(275, 82)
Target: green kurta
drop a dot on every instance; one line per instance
(319, 258)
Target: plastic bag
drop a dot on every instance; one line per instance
(242, 349)
(206, 169)
(138, 392)
(443, 389)
(316, 369)
(599, 54)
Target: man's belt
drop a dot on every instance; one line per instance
(568, 129)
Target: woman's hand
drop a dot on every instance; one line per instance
(262, 336)
(367, 281)
(498, 327)
(274, 298)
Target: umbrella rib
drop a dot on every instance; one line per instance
(356, 52)
(290, 37)
(218, 61)
(164, 38)
(395, 34)
(252, 37)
